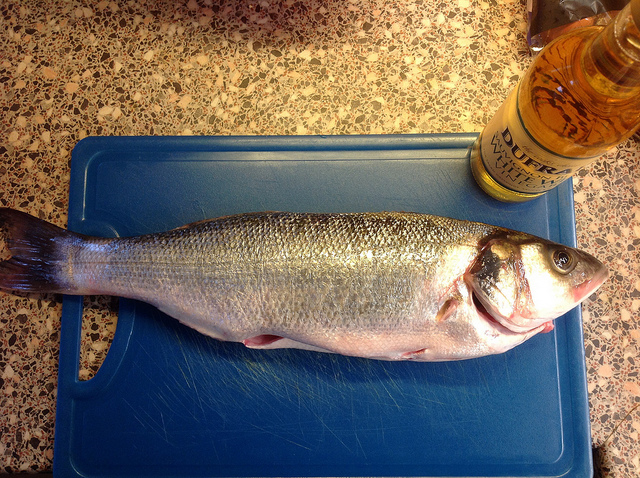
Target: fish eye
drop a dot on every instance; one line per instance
(563, 261)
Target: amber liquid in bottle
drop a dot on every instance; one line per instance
(579, 98)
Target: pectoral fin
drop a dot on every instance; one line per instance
(447, 309)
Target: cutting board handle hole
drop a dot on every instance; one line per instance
(99, 321)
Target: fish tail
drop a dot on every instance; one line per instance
(37, 250)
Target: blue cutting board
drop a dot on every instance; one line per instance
(170, 402)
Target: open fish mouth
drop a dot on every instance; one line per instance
(496, 323)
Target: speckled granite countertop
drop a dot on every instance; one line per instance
(70, 69)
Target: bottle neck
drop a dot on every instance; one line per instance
(611, 62)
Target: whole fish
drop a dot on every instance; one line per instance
(388, 285)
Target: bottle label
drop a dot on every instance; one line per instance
(516, 161)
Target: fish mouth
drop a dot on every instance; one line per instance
(589, 286)
(496, 323)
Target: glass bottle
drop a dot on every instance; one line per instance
(579, 98)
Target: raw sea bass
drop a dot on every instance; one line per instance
(390, 286)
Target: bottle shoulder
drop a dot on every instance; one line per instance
(562, 108)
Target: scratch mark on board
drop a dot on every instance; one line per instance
(322, 422)
(281, 437)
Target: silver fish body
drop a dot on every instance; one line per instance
(393, 286)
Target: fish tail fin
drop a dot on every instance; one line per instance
(36, 250)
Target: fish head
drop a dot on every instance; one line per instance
(524, 282)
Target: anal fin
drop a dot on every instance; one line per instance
(268, 342)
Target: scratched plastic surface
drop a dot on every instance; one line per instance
(170, 402)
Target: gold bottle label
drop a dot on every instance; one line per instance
(515, 160)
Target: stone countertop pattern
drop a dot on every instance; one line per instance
(71, 69)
